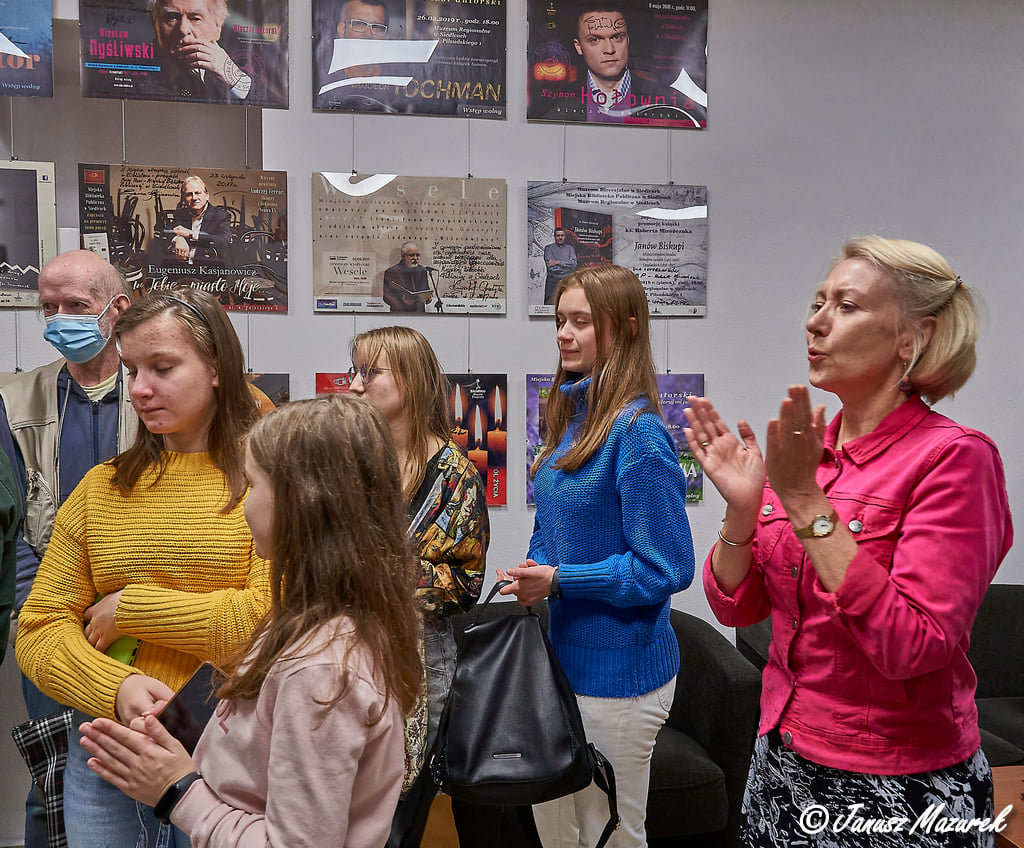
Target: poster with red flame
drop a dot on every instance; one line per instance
(478, 404)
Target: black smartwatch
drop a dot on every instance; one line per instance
(169, 800)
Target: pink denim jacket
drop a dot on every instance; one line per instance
(874, 677)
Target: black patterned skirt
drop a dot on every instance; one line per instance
(792, 802)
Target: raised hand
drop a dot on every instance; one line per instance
(794, 444)
(734, 465)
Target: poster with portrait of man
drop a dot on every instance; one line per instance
(231, 52)
(417, 245)
(641, 63)
(26, 48)
(674, 393)
(223, 231)
(659, 232)
(410, 57)
(28, 229)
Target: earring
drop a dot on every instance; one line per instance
(905, 385)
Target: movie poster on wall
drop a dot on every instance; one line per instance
(426, 245)
(410, 57)
(674, 391)
(220, 230)
(660, 232)
(28, 229)
(643, 65)
(143, 50)
(26, 48)
(478, 407)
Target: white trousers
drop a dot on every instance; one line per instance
(623, 729)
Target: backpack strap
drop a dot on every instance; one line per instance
(604, 779)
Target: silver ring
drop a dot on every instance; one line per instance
(798, 432)
(704, 444)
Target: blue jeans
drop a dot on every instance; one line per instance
(99, 815)
(38, 706)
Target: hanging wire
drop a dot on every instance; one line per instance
(353, 143)
(248, 333)
(469, 148)
(563, 151)
(13, 157)
(17, 338)
(124, 139)
(668, 323)
(670, 157)
(469, 347)
(247, 166)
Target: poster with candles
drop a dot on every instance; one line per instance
(478, 407)
(659, 232)
(674, 392)
(478, 404)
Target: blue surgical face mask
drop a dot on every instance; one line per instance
(78, 338)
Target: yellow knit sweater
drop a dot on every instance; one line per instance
(194, 588)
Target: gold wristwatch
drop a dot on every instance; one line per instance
(820, 527)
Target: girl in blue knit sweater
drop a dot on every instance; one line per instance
(611, 544)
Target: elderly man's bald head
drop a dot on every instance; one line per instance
(80, 272)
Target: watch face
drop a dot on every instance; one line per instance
(821, 526)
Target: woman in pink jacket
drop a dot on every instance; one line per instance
(871, 541)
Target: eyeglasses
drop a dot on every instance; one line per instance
(359, 26)
(365, 374)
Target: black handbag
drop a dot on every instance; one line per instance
(511, 733)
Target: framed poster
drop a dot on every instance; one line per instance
(224, 231)
(638, 64)
(478, 405)
(26, 48)
(390, 243)
(674, 391)
(410, 57)
(28, 229)
(659, 232)
(273, 389)
(220, 51)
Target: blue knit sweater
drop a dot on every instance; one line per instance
(617, 530)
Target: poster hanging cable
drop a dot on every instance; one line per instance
(124, 141)
(17, 338)
(353, 143)
(469, 148)
(246, 141)
(11, 101)
(670, 157)
(668, 367)
(563, 151)
(248, 336)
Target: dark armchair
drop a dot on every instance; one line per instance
(702, 753)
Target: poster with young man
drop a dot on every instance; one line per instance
(223, 231)
(659, 232)
(674, 393)
(410, 57)
(416, 245)
(642, 63)
(28, 229)
(200, 51)
(26, 48)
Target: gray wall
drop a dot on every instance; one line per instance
(828, 120)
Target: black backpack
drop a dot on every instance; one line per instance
(511, 733)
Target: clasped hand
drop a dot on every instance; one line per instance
(100, 627)
(531, 582)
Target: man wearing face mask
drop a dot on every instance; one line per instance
(59, 420)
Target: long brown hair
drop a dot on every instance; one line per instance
(422, 385)
(208, 328)
(623, 371)
(338, 543)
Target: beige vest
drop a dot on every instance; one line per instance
(31, 403)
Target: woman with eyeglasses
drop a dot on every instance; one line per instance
(395, 369)
(151, 548)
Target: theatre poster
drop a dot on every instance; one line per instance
(415, 57)
(127, 55)
(365, 225)
(26, 48)
(660, 232)
(273, 389)
(643, 65)
(28, 229)
(133, 216)
(674, 392)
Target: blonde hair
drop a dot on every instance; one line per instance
(421, 384)
(926, 286)
(207, 327)
(623, 371)
(338, 544)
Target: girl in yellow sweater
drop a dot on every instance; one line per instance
(159, 533)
